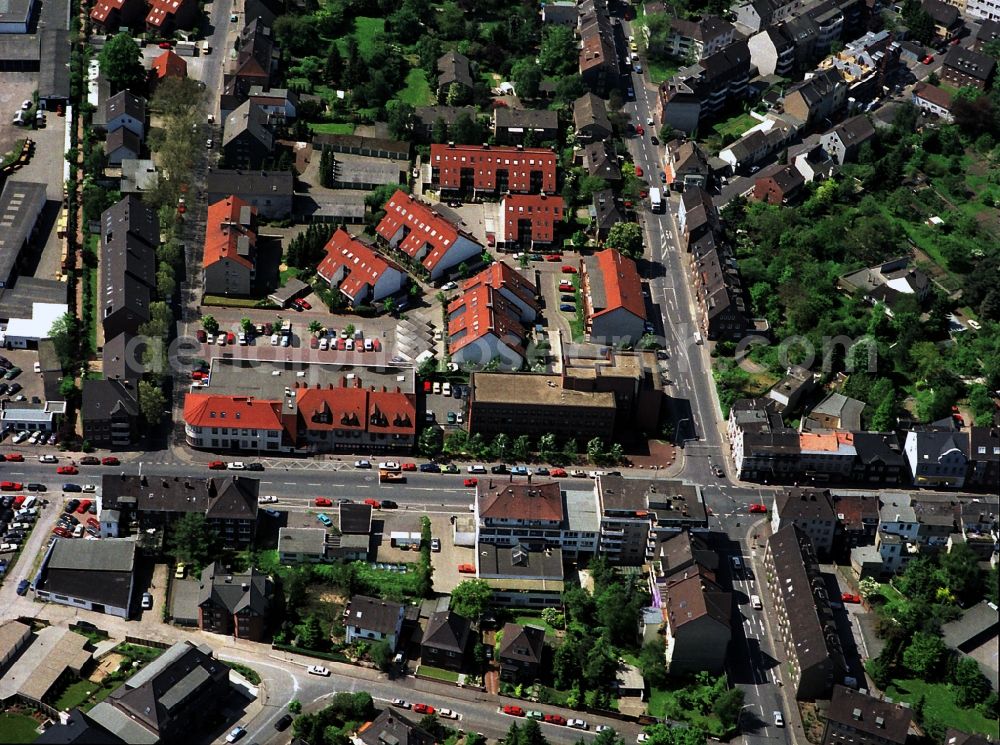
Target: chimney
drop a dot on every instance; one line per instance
(245, 586)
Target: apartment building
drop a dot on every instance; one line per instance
(492, 169)
(358, 271)
(937, 458)
(858, 718)
(233, 603)
(230, 254)
(528, 221)
(614, 306)
(373, 620)
(699, 39)
(699, 91)
(811, 511)
(485, 327)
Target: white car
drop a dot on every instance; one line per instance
(208, 143)
(237, 465)
(389, 465)
(437, 387)
(349, 345)
(459, 419)
(602, 728)
(47, 459)
(362, 464)
(400, 703)
(236, 734)
(649, 121)
(448, 714)
(449, 286)
(577, 724)
(446, 389)
(21, 437)
(779, 721)
(476, 469)
(269, 499)
(26, 104)
(324, 344)
(595, 474)
(285, 341)
(221, 341)
(90, 487)
(642, 737)
(275, 339)
(318, 670)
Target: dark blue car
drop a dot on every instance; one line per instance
(430, 468)
(567, 308)
(22, 587)
(72, 487)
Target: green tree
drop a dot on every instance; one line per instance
(527, 77)
(923, 655)
(389, 305)
(627, 238)
(660, 734)
(314, 327)
(294, 706)
(962, 574)
(547, 448)
(151, 402)
(558, 54)
(309, 633)
(439, 132)
(246, 325)
(521, 447)
(471, 598)
(595, 450)
(210, 325)
(400, 119)
(429, 443)
(973, 686)
(381, 654)
(500, 446)
(121, 62)
(569, 450)
(728, 707)
(65, 334)
(465, 131)
(653, 663)
(192, 540)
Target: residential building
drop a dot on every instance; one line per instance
(812, 161)
(816, 98)
(280, 104)
(130, 233)
(528, 221)
(169, 698)
(265, 11)
(455, 70)
(696, 40)
(369, 147)
(758, 144)
(125, 109)
(888, 282)
(697, 613)
(425, 118)
(813, 654)
(933, 100)
(445, 643)
(233, 603)
(168, 65)
(811, 511)
(937, 458)
(121, 144)
(857, 718)
(614, 306)
(754, 15)
(879, 458)
(686, 165)
(166, 16)
(425, 237)
(858, 516)
(697, 215)
(54, 657)
(600, 159)
(836, 411)
(778, 184)
(520, 652)
(845, 140)
(788, 392)
(269, 192)
(486, 168)
(989, 30)
(512, 285)
(865, 64)
(392, 728)
(964, 67)
(485, 327)
(560, 12)
(230, 253)
(947, 19)
(590, 117)
(229, 504)
(247, 140)
(108, 16)
(701, 90)
(255, 60)
(97, 576)
(370, 619)
(524, 126)
(975, 636)
(76, 727)
(598, 63)
(984, 457)
(520, 577)
(360, 273)
(762, 446)
(303, 545)
(826, 454)
(772, 51)
(957, 737)
(110, 412)
(138, 176)
(604, 214)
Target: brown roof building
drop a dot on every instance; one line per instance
(520, 652)
(697, 613)
(855, 718)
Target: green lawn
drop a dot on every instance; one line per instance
(417, 91)
(75, 694)
(17, 728)
(939, 703)
(365, 28)
(736, 125)
(536, 621)
(332, 128)
(438, 674)
(664, 703)
(660, 72)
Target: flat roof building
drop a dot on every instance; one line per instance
(21, 204)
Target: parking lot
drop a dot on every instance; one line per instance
(28, 383)
(441, 405)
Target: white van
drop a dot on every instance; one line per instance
(697, 337)
(755, 602)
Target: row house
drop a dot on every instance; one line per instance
(486, 168)
(130, 233)
(718, 289)
(600, 160)
(700, 91)
(844, 141)
(937, 458)
(528, 221)
(806, 623)
(759, 144)
(811, 511)
(598, 62)
(247, 139)
(514, 126)
(233, 604)
(590, 119)
(827, 454)
(254, 64)
(268, 192)
(865, 64)
(108, 16)
(696, 40)
(454, 70)
(772, 51)
(986, 10)
(358, 271)
(686, 165)
(762, 446)
(932, 100)
(947, 19)
(229, 264)
(425, 237)
(817, 97)
(778, 184)
(316, 419)
(858, 519)
(857, 718)
(427, 118)
(964, 67)
(167, 16)
(511, 285)
(614, 306)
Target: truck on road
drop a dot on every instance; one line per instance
(655, 201)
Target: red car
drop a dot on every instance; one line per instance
(83, 507)
(427, 386)
(15, 458)
(514, 711)
(558, 473)
(928, 59)
(638, 169)
(302, 303)
(110, 461)
(639, 130)
(199, 375)
(758, 508)
(164, 45)
(553, 257)
(409, 467)
(850, 597)
(92, 521)
(217, 465)
(565, 287)
(466, 569)
(67, 470)
(374, 504)
(958, 419)
(555, 719)
(61, 532)
(322, 502)
(201, 335)
(567, 269)
(471, 482)
(230, 338)
(314, 342)
(423, 709)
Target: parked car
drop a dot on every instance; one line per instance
(400, 703)
(180, 571)
(22, 587)
(423, 709)
(373, 503)
(555, 719)
(429, 468)
(72, 488)
(110, 461)
(388, 504)
(466, 569)
(235, 734)
(362, 464)
(409, 466)
(217, 465)
(284, 723)
(567, 308)
(514, 711)
(147, 601)
(90, 460)
(325, 519)
(448, 714)
(318, 670)
(577, 724)
(850, 597)
(435, 544)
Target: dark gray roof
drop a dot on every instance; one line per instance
(427, 115)
(605, 208)
(233, 497)
(931, 445)
(973, 64)
(507, 118)
(125, 103)
(107, 399)
(875, 447)
(21, 204)
(855, 130)
(78, 728)
(355, 518)
(980, 619)
(454, 68)
(679, 551)
(522, 643)
(234, 591)
(53, 73)
(373, 614)
(122, 357)
(249, 183)
(98, 571)
(448, 631)
(249, 118)
(131, 215)
(591, 111)
(600, 160)
(985, 444)
(804, 504)
(942, 13)
(123, 137)
(887, 721)
(392, 728)
(519, 562)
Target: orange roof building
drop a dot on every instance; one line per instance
(484, 326)
(356, 269)
(169, 65)
(166, 16)
(826, 451)
(314, 418)
(110, 15)
(230, 260)
(529, 220)
(512, 285)
(493, 169)
(424, 236)
(614, 305)
(505, 503)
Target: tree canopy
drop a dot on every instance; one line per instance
(121, 62)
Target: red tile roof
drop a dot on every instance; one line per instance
(485, 161)
(160, 9)
(102, 9)
(933, 94)
(170, 65)
(392, 412)
(501, 276)
(622, 285)
(212, 410)
(427, 228)
(543, 211)
(482, 311)
(223, 232)
(520, 500)
(362, 264)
